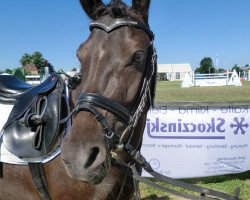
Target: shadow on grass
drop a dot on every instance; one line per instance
(154, 197)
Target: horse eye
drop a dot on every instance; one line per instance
(138, 57)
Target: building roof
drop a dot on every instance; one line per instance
(30, 67)
(168, 68)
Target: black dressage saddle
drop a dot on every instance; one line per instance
(33, 129)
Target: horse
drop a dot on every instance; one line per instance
(108, 110)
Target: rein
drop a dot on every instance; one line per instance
(142, 162)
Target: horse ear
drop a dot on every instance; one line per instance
(93, 8)
(142, 8)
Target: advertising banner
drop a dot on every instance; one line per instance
(198, 141)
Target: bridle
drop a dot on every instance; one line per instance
(90, 102)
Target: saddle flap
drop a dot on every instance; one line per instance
(27, 137)
(29, 98)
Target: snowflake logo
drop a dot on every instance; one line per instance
(239, 125)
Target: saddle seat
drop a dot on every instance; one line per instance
(11, 88)
(33, 129)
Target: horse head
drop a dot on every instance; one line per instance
(109, 105)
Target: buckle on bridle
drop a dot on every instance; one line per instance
(110, 134)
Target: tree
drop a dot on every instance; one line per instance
(220, 70)
(37, 59)
(237, 68)
(8, 71)
(19, 73)
(25, 59)
(206, 66)
(51, 68)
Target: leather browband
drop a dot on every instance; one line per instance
(119, 23)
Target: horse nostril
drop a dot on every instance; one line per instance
(94, 152)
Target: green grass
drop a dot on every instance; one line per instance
(225, 183)
(172, 92)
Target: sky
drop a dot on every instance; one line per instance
(186, 31)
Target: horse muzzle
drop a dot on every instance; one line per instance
(89, 162)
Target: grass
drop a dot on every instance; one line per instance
(225, 183)
(172, 92)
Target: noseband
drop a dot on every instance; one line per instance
(90, 102)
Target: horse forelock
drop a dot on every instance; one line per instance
(116, 9)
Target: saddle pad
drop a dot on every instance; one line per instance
(8, 157)
(5, 110)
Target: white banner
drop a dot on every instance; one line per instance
(198, 141)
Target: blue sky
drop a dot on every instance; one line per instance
(186, 31)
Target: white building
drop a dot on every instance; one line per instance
(173, 72)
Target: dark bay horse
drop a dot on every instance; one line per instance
(109, 109)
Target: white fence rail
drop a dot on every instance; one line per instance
(219, 79)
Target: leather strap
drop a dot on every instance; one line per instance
(39, 180)
(118, 23)
(140, 159)
(1, 170)
(107, 104)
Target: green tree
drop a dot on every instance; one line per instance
(206, 66)
(51, 68)
(237, 68)
(25, 59)
(19, 73)
(220, 70)
(8, 71)
(38, 60)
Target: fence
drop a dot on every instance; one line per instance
(216, 79)
(211, 79)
